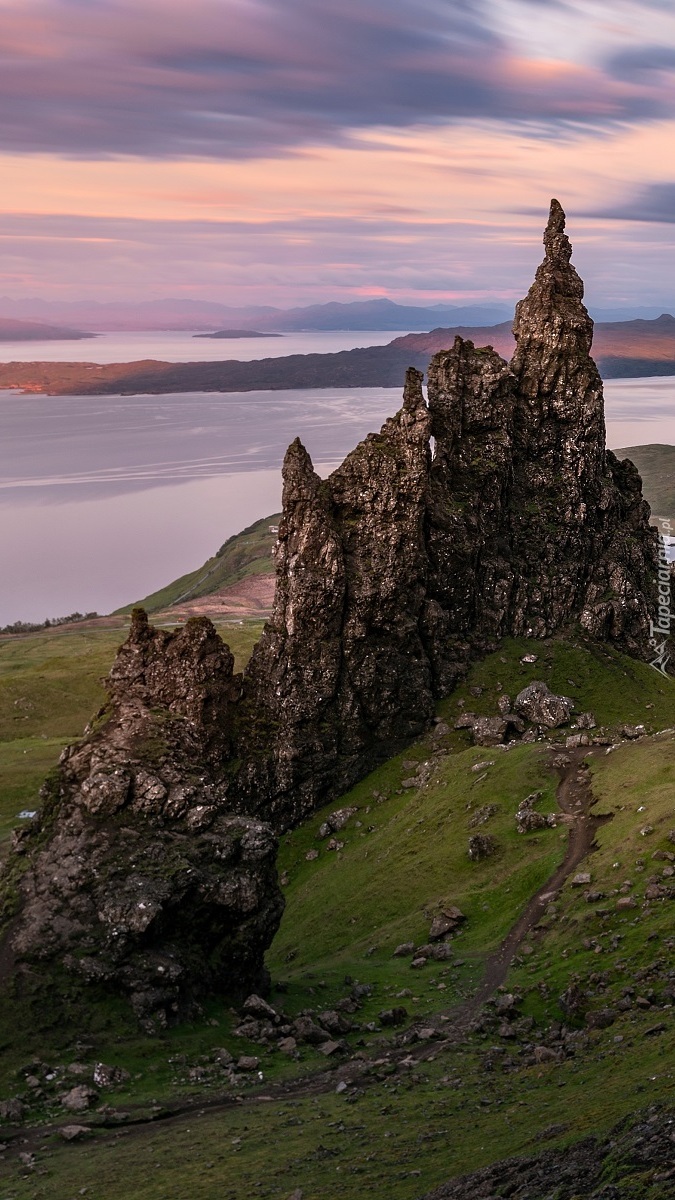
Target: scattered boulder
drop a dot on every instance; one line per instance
(404, 950)
(573, 1001)
(306, 1030)
(489, 731)
(447, 921)
(248, 1062)
(582, 879)
(393, 1016)
(482, 815)
(539, 705)
(481, 845)
(466, 720)
(109, 1077)
(631, 732)
(577, 739)
(601, 1018)
(527, 819)
(338, 819)
(586, 720)
(79, 1098)
(12, 1110)
(73, 1133)
(255, 1006)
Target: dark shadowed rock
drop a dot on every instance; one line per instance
(481, 845)
(140, 878)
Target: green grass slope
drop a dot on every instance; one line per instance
(403, 1128)
(245, 553)
(656, 464)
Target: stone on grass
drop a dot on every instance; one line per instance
(79, 1098)
(73, 1133)
(445, 922)
(539, 705)
(481, 845)
(248, 1062)
(404, 950)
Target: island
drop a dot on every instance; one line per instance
(237, 333)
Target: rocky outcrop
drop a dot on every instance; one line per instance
(493, 510)
(138, 877)
(342, 667)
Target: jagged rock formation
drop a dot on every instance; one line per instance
(401, 567)
(493, 511)
(138, 876)
(342, 665)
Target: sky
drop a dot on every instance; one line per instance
(296, 151)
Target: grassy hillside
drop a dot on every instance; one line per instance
(245, 553)
(656, 464)
(414, 1113)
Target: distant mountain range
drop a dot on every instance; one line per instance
(208, 315)
(377, 314)
(30, 331)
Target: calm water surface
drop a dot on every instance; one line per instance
(183, 347)
(104, 499)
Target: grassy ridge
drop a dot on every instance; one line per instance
(656, 465)
(245, 553)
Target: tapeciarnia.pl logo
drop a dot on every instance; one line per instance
(659, 630)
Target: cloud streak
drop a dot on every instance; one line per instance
(227, 79)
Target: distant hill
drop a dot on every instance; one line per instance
(656, 464)
(31, 331)
(237, 333)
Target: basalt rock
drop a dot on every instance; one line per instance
(405, 565)
(341, 674)
(139, 877)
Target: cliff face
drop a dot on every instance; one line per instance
(406, 563)
(494, 510)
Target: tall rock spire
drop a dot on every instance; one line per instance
(556, 376)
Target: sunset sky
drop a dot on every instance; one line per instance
(296, 151)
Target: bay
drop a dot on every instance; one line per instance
(104, 499)
(182, 346)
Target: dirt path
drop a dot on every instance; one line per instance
(575, 799)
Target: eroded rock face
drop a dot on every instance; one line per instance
(145, 882)
(341, 671)
(402, 567)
